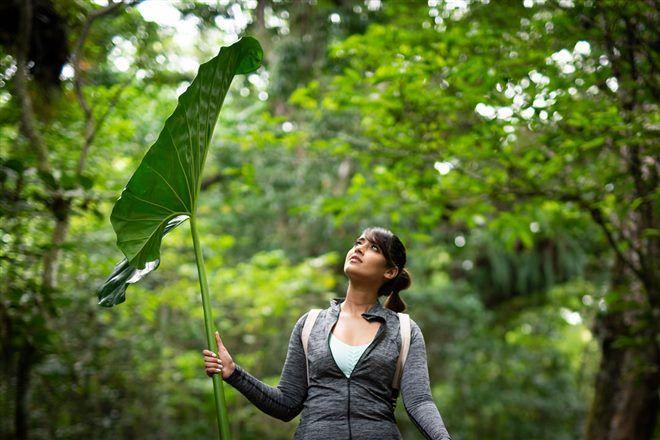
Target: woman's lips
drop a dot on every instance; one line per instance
(355, 258)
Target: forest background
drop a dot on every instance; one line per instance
(508, 143)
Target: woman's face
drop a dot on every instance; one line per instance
(365, 261)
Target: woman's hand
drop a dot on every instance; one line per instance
(220, 363)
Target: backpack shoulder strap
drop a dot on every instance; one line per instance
(404, 327)
(307, 329)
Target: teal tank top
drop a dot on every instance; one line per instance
(346, 355)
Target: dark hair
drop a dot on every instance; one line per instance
(395, 254)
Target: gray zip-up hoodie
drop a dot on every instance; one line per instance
(359, 407)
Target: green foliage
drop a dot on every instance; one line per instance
(457, 128)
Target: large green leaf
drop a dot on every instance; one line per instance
(167, 181)
(113, 290)
(162, 193)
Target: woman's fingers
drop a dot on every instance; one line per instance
(212, 362)
(213, 367)
(209, 353)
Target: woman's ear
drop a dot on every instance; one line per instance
(391, 273)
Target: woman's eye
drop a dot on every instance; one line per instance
(373, 246)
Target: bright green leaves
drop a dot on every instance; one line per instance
(166, 183)
(163, 191)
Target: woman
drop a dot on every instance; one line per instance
(352, 354)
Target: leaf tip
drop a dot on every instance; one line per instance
(251, 57)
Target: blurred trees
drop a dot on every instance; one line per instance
(45, 178)
(510, 146)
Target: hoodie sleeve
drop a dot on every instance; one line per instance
(416, 390)
(285, 401)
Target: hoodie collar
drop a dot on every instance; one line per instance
(376, 309)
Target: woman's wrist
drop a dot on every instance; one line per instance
(230, 369)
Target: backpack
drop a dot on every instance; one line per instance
(404, 326)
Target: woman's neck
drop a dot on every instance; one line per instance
(358, 299)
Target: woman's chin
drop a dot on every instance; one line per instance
(352, 272)
(348, 270)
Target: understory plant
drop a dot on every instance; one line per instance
(164, 189)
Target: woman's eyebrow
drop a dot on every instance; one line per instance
(364, 238)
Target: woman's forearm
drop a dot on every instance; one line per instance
(274, 401)
(426, 417)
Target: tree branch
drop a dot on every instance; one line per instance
(211, 180)
(77, 52)
(91, 135)
(91, 128)
(594, 211)
(27, 124)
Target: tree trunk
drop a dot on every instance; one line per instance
(49, 275)
(625, 404)
(22, 386)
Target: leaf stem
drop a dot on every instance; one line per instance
(218, 389)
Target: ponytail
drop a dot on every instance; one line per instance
(392, 288)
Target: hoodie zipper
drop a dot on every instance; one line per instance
(381, 329)
(348, 382)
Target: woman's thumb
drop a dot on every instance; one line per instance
(218, 340)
